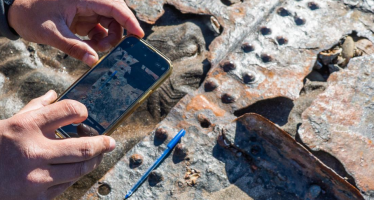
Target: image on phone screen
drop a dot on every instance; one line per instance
(115, 84)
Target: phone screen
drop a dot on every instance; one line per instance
(116, 84)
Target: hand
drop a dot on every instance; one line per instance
(36, 165)
(55, 22)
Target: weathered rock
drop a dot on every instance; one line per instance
(340, 121)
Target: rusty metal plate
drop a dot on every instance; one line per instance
(264, 50)
(340, 121)
(251, 154)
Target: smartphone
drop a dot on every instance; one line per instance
(116, 86)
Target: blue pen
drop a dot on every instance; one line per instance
(170, 146)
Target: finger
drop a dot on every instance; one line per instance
(84, 130)
(62, 38)
(55, 190)
(62, 113)
(117, 10)
(42, 101)
(96, 34)
(74, 150)
(63, 173)
(115, 31)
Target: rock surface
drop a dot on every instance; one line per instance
(272, 47)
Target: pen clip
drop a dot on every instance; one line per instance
(176, 139)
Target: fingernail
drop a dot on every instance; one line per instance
(112, 144)
(49, 97)
(89, 59)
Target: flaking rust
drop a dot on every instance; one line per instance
(191, 176)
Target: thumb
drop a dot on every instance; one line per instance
(63, 39)
(40, 102)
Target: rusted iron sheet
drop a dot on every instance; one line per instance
(274, 151)
(265, 50)
(340, 121)
(257, 157)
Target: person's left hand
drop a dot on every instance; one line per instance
(55, 22)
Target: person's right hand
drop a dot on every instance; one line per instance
(55, 22)
(36, 165)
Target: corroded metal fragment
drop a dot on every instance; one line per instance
(340, 120)
(258, 157)
(294, 164)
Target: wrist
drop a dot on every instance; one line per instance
(6, 28)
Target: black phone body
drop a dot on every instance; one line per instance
(117, 85)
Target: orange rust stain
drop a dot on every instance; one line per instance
(269, 74)
(237, 12)
(200, 102)
(252, 95)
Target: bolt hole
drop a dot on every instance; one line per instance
(283, 12)
(281, 40)
(228, 66)
(266, 58)
(205, 123)
(248, 78)
(265, 30)
(299, 21)
(104, 189)
(246, 47)
(313, 6)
